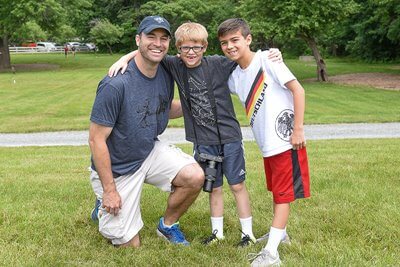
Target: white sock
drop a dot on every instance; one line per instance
(163, 223)
(247, 226)
(275, 237)
(217, 223)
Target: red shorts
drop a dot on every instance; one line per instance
(287, 175)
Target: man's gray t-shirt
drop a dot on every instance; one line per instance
(217, 69)
(137, 108)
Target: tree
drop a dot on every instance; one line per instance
(106, 33)
(206, 12)
(122, 13)
(287, 19)
(65, 33)
(377, 30)
(49, 15)
(29, 31)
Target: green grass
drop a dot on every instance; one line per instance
(336, 66)
(351, 219)
(62, 99)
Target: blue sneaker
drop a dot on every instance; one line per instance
(95, 215)
(172, 234)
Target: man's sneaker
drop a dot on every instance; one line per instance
(172, 234)
(246, 241)
(285, 240)
(264, 259)
(212, 238)
(96, 212)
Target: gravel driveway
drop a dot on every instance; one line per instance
(176, 135)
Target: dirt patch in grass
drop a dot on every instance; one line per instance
(36, 66)
(378, 80)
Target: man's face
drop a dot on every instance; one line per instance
(234, 45)
(192, 53)
(154, 45)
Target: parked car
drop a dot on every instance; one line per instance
(28, 44)
(45, 46)
(71, 44)
(91, 46)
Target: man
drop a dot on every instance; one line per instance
(128, 114)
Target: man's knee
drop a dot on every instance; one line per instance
(190, 176)
(134, 242)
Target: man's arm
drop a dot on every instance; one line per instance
(176, 109)
(298, 139)
(98, 135)
(121, 64)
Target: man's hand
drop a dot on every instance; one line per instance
(275, 55)
(98, 135)
(112, 202)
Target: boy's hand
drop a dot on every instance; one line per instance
(298, 140)
(121, 64)
(275, 55)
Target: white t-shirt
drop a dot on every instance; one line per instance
(267, 101)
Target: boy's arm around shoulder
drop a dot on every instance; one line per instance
(121, 64)
(176, 109)
(297, 140)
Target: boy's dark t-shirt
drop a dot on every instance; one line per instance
(137, 108)
(219, 69)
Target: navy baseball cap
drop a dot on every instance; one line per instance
(153, 22)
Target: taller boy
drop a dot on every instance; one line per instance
(274, 102)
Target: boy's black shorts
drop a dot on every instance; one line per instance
(233, 165)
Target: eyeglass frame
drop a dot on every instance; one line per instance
(193, 48)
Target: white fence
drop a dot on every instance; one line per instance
(32, 50)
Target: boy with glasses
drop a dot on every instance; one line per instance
(210, 121)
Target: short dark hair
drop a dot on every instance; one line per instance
(233, 25)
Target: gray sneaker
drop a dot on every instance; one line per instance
(264, 259)
(285, 240)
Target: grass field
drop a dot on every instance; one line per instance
(351, 219)
(61, 99)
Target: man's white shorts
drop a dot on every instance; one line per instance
(159, 169)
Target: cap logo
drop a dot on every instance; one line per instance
(159, 20)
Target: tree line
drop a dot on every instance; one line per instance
(364, 29)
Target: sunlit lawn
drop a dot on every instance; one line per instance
(351, 219)
(61, 99)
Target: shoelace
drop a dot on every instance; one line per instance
(176, 232)
(253, 256)
(211, 237)
(245, 239)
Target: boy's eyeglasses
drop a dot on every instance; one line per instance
(186, 49)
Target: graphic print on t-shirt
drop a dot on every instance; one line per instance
(256, 96)
(200, 103)
(145, 111)
(284, 124)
